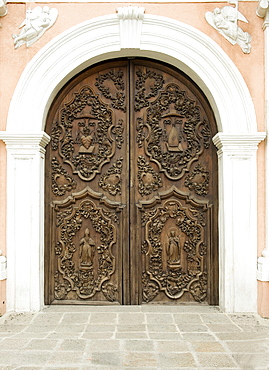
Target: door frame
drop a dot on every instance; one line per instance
(159, 38)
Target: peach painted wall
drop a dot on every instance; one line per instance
(251, 66)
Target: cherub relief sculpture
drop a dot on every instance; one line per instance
(37, 21)
(225, 22)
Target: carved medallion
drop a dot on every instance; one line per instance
(118, 96)
(148, 180)
(198, 180)
(111, 180)
(61, 182)
(83, 134)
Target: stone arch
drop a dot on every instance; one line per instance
(159, 38)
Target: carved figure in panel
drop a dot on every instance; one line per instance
(37, 21)
(225, 20)
(177, 131)
(61, 182)
(117, 95)
(148, 180)
(198, 180)
(173, 249)
(86, 273)
(174, 258)
(83, 134)
(111, 180)
(87, 249)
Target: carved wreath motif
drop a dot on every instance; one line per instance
(82, 277)
(141, 97)
(117, 101)
(172, 277)
(198, 180)
(177, 132)
(83, 134)
(148, 180)
(111, 180)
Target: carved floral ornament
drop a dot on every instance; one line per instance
(225, 20)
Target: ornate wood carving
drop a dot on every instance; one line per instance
(148, 180)
(132, 188)
(198, 180)
(86, 236)
(118, 132)
(83, 134)
(118, 99)
(61, 182)
(175, 245)
(154, 82)
(178, 134)
(111, 180)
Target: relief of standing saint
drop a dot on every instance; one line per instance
(173, 248)
(87, 249)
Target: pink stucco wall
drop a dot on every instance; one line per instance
(251, 66)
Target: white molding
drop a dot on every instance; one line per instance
(25, 219)
(130, 19)
(238, 220)
(205, 62)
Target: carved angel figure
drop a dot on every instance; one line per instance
(37, 21)
(225, 22)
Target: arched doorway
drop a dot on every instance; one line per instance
(237, 140)
(131, 188)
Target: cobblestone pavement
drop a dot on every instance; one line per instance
(133, 337)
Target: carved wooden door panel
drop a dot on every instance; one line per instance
(131, 189)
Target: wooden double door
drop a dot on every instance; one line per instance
(131, 189)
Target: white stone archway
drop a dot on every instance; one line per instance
(166, 40)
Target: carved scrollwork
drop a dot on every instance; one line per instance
(148, 180)
(176, 246)
(150, 288)
(141, 96)
(85, 259)
(117, 100)
(111, 180)
(118, 132)
(140, 133)
(61, 182)
(83, 134)
(177, 131)
(110, 291)
(198, 180)
(198, 289)
(61, 287)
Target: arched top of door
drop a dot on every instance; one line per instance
(156, 37)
